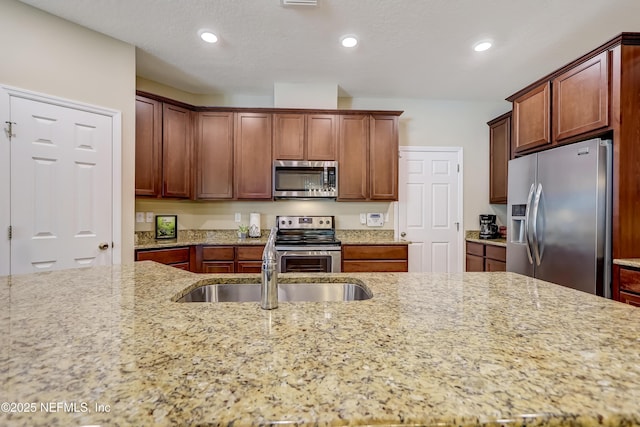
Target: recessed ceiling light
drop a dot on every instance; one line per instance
(349, 41)
(208, 36)
(482, 46)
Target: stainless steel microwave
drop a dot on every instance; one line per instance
(298, 179)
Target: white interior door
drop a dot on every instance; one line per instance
(61, 187)
(430, 207)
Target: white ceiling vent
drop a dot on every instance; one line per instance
(299, 2)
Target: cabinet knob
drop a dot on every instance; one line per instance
(103, 246)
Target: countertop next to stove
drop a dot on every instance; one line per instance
(462, 349)
(145, 240)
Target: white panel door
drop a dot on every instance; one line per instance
(429, 208)
(61, 195)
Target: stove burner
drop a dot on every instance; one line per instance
(306, 231)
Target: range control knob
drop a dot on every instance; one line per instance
(321, 222)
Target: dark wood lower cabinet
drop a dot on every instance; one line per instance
(626, 285)
(175, 257)
(375, 258)
(485, 257)
(474, 263)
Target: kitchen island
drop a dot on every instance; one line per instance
(109, 346)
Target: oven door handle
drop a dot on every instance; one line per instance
(305, 253)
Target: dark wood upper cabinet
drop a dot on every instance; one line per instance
(214, 155)
(353, 157)
(148, 147)
(499, 154)
(581, 98)
(321, 136)
(288, 136)
(177, 125)
(252, 151)
(531, 119)
(383, 157)
(304, 136)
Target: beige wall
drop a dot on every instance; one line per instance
(49, 55)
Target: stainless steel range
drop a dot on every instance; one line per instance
(307, 244)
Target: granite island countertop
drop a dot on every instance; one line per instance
(461, 349)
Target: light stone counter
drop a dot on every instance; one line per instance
(474, 236)
(628, 262)
(427, 349)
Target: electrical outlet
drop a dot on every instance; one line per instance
(363, 218)
(139, 216)
(238, 217)
(149, 216)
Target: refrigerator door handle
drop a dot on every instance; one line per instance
(526, 223)
(536, 241)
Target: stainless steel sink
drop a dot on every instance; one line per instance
(287, 292)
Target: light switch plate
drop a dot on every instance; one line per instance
(238, 217)
(139, 216)
(363, 218)
(149, 216)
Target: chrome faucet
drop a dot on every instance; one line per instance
(269, 288)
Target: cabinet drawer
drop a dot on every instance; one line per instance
(375, 252)
(165, 256)
(374, 266)
(631, 299)
(249, 253)
(496, 252)
(630, 280)
(475, 248)
(217, 253)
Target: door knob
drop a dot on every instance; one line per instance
(403, 234)
(103, 246)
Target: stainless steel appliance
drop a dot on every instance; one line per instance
(293, 179)
(307, 244)
(488, 227)
(559, 216)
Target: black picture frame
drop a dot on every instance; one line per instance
(166, 227)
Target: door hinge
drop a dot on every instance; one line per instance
(457, 226)
(458, 167)
(10, 232)
(9, 129)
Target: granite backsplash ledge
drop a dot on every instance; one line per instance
(189, 237)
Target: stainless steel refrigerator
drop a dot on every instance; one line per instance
(559, 216)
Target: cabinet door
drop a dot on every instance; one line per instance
(353, 157)
(148, 147)
(631, 299)
(499, 153)
(581, 98)
(531, 117)
(176, 151)
(474, 263)
(214, 156)
(249, 267)
(321, 136)
(493, 265)
(217, 267)
(252, 150)
(383, 157)
(288, 136)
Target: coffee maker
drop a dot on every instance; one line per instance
(488, 227)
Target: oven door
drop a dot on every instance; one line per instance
(308, 261)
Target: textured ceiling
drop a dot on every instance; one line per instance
(408, 48)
